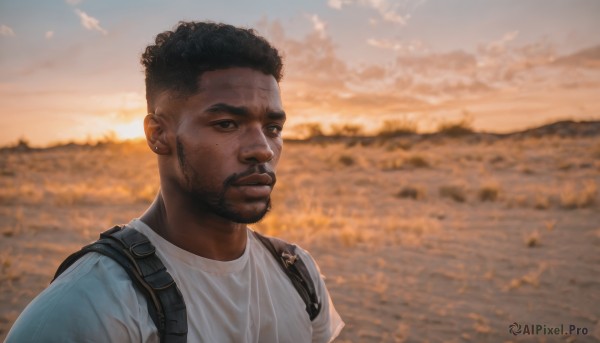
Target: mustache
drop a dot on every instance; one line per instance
(258, 169)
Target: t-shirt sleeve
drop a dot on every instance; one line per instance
(93, 301)
(328, 324)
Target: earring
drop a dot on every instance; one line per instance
(155, 148)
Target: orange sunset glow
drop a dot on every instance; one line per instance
(74, 74)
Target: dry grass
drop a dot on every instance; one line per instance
(456, 192)
(489, 191)
(398, 127)
(417, 161)
(517, 201)
(399, 144)
(542, 202)
(533, 239)
(461, 127)
(347, 160)
(596, 151)
(461, 247)
(409, 162)
(532, 278)
(346, 130)
(412, 192)
(571, 197)
(309, 130)
(392, 164)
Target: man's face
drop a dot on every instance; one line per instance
(228, 142)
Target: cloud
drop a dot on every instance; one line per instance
(385, 44)
(389, 11)
(395, 11)
(318, 25)
(337, 4)
(404, 47)
(433, 63)
(89, 22)
(499, 46)
(504, 62)
(372, 72)
(319, 83)
(6, 31)
(49, 34)
(586, 58)
(310, 59)
(318, 79)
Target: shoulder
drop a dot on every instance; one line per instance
(279, 245)
(327, 325)
(93, 301)
(310, 262)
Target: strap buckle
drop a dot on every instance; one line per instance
(288, 259)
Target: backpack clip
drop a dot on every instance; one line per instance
(288, 259)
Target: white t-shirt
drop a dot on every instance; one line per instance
(249, 299)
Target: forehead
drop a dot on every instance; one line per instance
(239, 86)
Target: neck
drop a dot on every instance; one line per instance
(205, 235)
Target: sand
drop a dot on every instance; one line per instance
(420, 240)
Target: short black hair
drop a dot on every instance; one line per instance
(179, 57)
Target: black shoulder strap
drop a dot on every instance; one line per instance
(134, 252)
(295, 269)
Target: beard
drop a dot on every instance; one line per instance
(215, 201)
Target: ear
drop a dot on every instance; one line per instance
(156, 134)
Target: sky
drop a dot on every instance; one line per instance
(69, 69)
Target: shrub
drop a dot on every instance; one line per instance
(412, 192)
(596, 151)
(417, 161)
(395, 145)
(309, 130)
(348, 130)
(462, 127)
(347, 160)
(414, 161)
(489, 192)
(570, 198)
(542, 202)
(533, 240)
(397, 127)
(23, 143)
(454, 192)
(350, 237)
(393, 164)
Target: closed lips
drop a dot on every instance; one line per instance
(255, 180)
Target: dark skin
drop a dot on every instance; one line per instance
(217, 153)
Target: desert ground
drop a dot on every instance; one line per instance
(421, 239)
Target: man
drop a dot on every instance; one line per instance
(215, 121)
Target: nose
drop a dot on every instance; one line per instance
(255, 147)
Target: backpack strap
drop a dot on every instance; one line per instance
(137, 256)
(295, 269)
(133, 251)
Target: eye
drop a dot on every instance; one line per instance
(225, 125)
(274, 129)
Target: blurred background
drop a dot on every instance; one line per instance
(441, 163)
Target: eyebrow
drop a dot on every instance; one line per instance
(242, 111)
